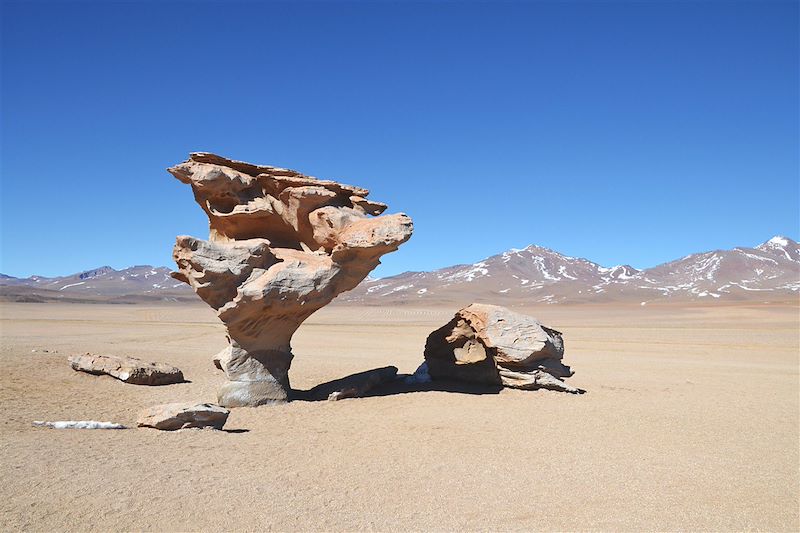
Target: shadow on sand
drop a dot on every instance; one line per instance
(390, 384)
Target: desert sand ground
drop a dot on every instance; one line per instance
(690, 423)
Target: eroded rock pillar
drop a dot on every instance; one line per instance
(281, 246)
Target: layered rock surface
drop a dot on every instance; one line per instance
(491, 345)
(281, 246)
(127, 369)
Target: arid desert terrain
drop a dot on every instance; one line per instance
(690, 422)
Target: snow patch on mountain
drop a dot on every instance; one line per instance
(71, 285)
(469, 274)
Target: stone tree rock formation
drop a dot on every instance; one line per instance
(281, 246)
(491, 345)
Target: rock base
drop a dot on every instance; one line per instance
(252, 393)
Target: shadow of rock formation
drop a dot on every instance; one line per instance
(387, 383)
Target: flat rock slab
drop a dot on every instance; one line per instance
(127, 369)
(172, 416)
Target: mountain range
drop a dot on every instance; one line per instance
(532, 275)
(770, 271)
(141, 283)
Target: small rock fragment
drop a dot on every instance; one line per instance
(172, 416)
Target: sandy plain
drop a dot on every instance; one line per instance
(690, 423)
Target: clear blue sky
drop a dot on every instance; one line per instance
(621, 132)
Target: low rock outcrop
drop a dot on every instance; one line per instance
(281, 246)
(172, 416)
(127, 369)
(489, 344)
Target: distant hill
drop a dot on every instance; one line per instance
(531, 275)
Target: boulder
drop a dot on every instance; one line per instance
(172, 416)
(281, 245)
(127, 369)
(491, 345)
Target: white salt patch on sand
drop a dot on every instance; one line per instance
(78, 424)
